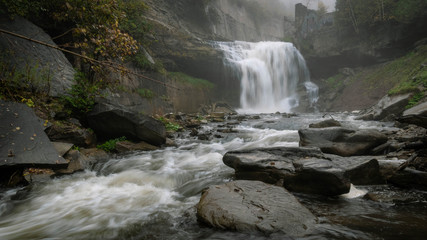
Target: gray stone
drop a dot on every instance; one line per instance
(254, 206)
(50, 66)
(416, 115)
(361, 170)
(126, 146)
(110, 121)
(77, 162)
(63, 131)
(342, 141)
(410, 178)
(387, 167)
(23, 142)
(297, 169)
(387, 108)
(325, 124)
(62, 148)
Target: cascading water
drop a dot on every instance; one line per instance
(270, 73)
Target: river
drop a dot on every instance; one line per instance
(152, 195)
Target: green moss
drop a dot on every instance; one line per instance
(184, 78)
(336, 81)
(145, 93)
(169, 125)
(110, 145)
(415, 100)
(409, 72)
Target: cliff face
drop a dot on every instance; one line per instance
(221, 19)
(185, 31)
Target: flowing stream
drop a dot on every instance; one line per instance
(270, 75)
(152, 195)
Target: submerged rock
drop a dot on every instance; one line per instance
(342, 141)
(254, 206)
(109, 121)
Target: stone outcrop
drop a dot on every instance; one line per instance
(50, 71)
(297, 169)
(416, 115)
(342, 141)
(23, 142)
(388, 108)
(63, 131)
(325, 124)
(305, 170)
(109, 122)
(251, 206)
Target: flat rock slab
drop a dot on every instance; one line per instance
(250, 206)
(305, 170)
(23, 142)
(342, 141)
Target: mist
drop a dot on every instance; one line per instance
(287, 7)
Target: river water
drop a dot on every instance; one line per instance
(152, 195)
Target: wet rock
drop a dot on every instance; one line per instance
(361, 170)
(36, 175)
(62, 148)
(410, 178)
(387, 108)
(220, 108)
(419, 163)
(77, 162)
(95, 154)
(325, 124)
(64, 131)
(203, 137)
(109, 122)
(342, 141)
(300, 169)
(23, 142)
(251, 206)
(388, 167)
(416, 115)
(126, 146)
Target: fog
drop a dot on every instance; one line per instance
(287, 7)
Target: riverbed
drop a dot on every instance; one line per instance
(152, 195)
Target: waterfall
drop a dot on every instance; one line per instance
(270, 74)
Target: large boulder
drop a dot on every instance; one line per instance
(109, 122)
(68, 132)
(388, 108)
(23, 142)
(342, 141)
(48, 69)
(297, 169)
(254, 206)
(416, 115)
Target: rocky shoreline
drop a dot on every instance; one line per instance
(330, 159)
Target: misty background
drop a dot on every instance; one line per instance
(287, 7)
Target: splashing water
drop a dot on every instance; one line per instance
(270, 73)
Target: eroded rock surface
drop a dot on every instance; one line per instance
(342, 141)
(254, 206)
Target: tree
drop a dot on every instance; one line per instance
(321, 8)
(92, 28)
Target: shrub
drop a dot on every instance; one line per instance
(81, 98)
(110, 145)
